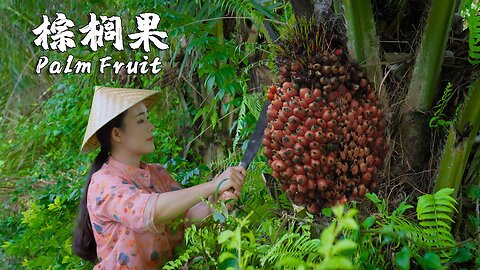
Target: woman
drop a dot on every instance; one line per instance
(127, 204)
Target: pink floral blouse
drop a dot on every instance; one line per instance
(121, 200)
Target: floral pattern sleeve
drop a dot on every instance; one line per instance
(169, 183)
(119, 200)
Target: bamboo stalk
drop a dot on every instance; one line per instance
(423, 85)
(457, 149)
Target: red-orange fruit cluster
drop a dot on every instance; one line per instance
(325, 135)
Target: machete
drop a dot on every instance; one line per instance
(256, 140)
(257, 137)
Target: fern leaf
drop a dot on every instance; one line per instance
(254, 103)
(473, 22)
(474, 40)
(245, 8)
(182, 259)
(220, 162)
(437, 120)
(240, 123)
(291, 245)
(433, 212)
(439, 223)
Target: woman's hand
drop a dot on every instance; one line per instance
(233, 176)
(227, 195)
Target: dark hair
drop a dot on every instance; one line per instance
(84, 242)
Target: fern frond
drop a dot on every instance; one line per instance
(473, 22)
(292, 245)
(219, 163)
(433, 212)
(245, 8)
(240, 123)
(182, 259)
(438, 114)
(254, 103)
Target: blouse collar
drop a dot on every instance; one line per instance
(132, 172)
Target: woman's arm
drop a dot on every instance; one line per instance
(170, 205)
(201, 210)
(198, 212)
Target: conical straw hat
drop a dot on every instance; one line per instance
(108, 102)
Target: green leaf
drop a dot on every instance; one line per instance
(5, 245)
(437, 208)
(225, 235)
(214, 118)
(474, 221)
(200, 113)
(228, 260)
(373, 197)
(289, 261)
(338, 262)
(327, 211)
(343, 245)
(57, 200)
(444, 192)
(435, 224)
(220, 93)
(217, 216)
(430, 260)
(368, 222)
(338, 210)
(351, 213)
(402, 258)
(350, 223)
(435, 216)
(210, 82)
(462, 255)
(327, 237)
(473, 192)
(65, 259)
(402, 208)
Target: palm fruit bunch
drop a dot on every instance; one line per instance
(325, 133)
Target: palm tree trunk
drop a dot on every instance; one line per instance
(423, 86)
(459, 143)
